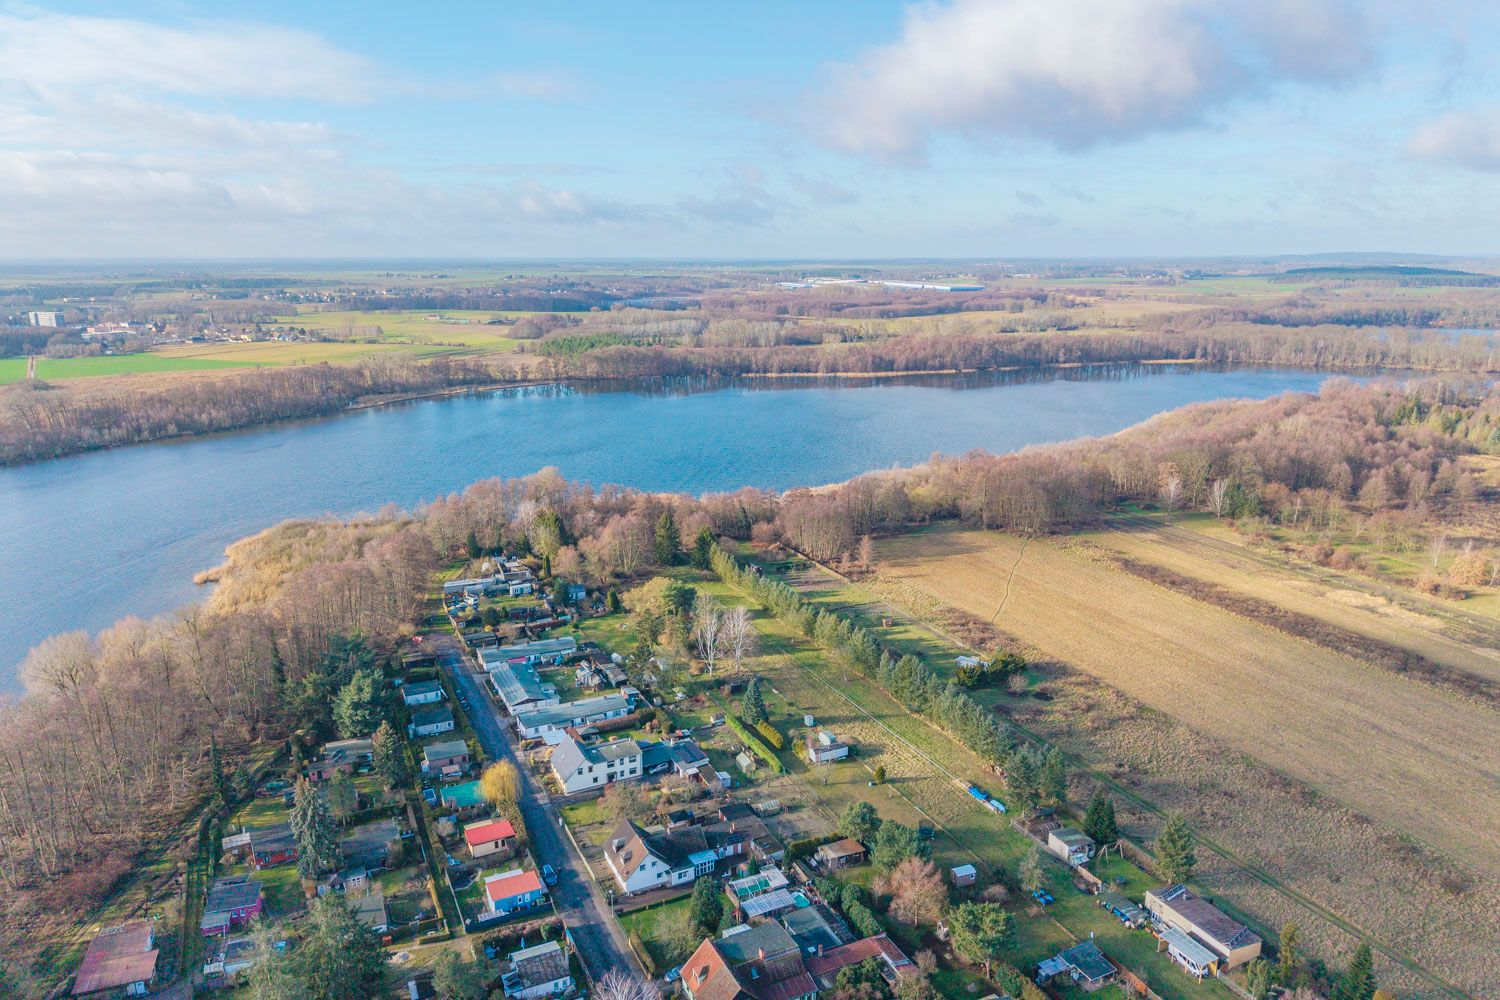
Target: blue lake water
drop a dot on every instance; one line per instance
(89, 539)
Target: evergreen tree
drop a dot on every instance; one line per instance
(1176, 855)
(278, 667)
(703, 548)
(343, 797)
(1023, 782)
(271, 976)
(894, 843)
(980, 932)
(242, 783)
(313, 831)
(217, 781)
(357, 709)
(612, 602)
(668, 541)
(560, 592)
(862, 981)
(707, 906)
(1052, 782)
(753, 705)
(1259, 978)
(1099, 822)
(1358, 981)
(390, 756)
(339, 958)
(471, 544)
(860, 822)
(1287, 957)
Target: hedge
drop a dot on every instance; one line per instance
(799, 849)
(754, 743)
(642, 952)
(771, 733)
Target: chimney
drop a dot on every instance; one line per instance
(761, 954)
(820, 949)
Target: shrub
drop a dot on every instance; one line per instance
(754, 744)
(864, 920)
(642, 952)
(772, 734)
(799, 849)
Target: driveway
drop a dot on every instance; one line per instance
(599, 940)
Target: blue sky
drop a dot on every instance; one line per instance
(997, 128)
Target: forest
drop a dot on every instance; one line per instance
(107, 751)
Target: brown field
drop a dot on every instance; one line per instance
(1393, 749)
(1321, 865)
(1424, 626)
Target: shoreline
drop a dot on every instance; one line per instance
(375, 402)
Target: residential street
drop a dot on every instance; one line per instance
(600, 942)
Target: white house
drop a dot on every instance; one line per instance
(538, 971)
(538, 723)
(580, 766)
(517, 684)
(825, 747)
(430, 721)
(553, 650)
(641, 861)
(423, 693)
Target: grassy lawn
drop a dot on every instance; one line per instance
(584, 813)
(648, 923)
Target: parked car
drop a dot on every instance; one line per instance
(549, 875)
(1043, 896)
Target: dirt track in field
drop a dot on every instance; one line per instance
(1394, 749)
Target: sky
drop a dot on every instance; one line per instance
(951, 128)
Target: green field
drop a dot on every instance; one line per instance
(14, 369)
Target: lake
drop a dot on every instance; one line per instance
(89, 539)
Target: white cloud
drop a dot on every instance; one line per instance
(1078, 72)
(47, 53)
(1468, 139)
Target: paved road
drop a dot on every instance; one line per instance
(600, 942)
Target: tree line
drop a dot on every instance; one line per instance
(108, 750)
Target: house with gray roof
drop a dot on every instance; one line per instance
(548, 723)
(581, 767)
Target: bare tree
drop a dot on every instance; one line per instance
(1218, 496)
(1171, 492)
(739, 635)
(1437, 546)
(708, 629)
(616, 985)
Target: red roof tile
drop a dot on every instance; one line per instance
(485, 833)
(512, 885)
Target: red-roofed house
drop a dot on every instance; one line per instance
(121, 958)
(758, 963)
(490, 836)
(513, 891)
(895, 966)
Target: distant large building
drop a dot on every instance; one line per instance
(44, 318)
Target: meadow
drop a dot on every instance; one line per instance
(1278, 798)
(151, 363)
(1319, 716)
